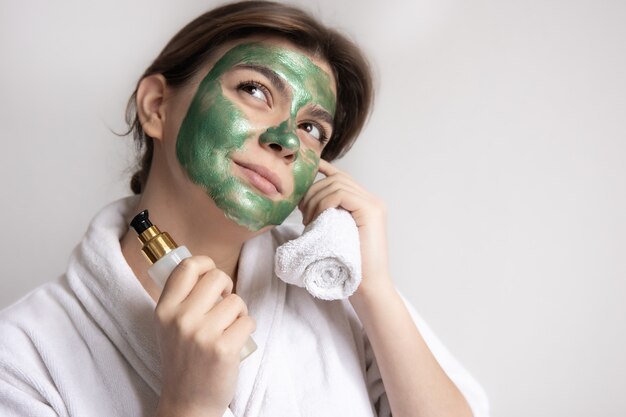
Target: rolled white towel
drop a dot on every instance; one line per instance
(325, 259)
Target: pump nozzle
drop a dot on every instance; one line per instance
(155, 243)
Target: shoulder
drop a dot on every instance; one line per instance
(37, 308)
(39, 315)
(39, 330)
(27, 328)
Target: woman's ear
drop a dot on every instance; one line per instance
(150, 105)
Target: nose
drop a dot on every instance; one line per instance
(283, 140)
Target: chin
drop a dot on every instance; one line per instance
(248, 209)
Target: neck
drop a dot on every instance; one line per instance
(195, 222)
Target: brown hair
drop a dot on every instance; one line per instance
(191, 47)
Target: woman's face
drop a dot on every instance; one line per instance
(255, 129)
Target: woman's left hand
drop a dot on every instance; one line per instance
(338, 189)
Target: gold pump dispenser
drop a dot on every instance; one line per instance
(156, 244)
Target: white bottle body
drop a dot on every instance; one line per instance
(161, 270)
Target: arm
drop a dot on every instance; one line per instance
(415, 383)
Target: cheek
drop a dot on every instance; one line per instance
(225, 125)
(304, 172)
(212, 124)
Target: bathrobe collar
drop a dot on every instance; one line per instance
(112, 295)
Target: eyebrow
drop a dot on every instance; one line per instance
(323, 115)
(274, 78)
(279, 83)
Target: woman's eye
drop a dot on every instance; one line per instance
(255, 90)
(314, 130)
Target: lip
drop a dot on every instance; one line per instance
(267, 176)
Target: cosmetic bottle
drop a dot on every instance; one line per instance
(164, 254)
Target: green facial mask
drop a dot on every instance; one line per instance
(214, 128)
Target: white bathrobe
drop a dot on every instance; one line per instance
(85, 344)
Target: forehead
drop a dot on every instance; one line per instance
(307, 75)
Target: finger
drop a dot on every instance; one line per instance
(331, 171)
(310, 209)
(182, 280)
(207, 292)
(343, 198)
(230, 342)
(322, 184)
(224, 314)
(340, 177)
(327, 168)
(238, 333)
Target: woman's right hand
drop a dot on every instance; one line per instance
(200, 338)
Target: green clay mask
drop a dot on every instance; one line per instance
(215, 128)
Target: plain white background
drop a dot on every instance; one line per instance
(498, 142)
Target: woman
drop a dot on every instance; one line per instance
(237, 115)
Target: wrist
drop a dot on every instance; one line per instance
(369, 294)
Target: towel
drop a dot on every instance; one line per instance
(314, 357)
(326, 259)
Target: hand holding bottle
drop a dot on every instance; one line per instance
(202, 328)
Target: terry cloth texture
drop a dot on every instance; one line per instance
(85, 344)
(326, 259)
